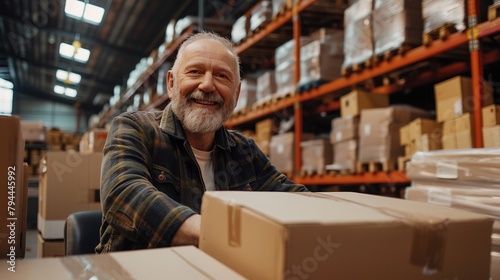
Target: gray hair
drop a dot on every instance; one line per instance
(212, 36)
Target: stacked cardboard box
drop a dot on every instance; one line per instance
(379, 138)
(184, 262)
(454, 103)
(491, 126)
(284, 59)
(264, 130)
(316, 154)
(34, 131)
(282, 151)
(69, 182)
(396, 23)
(240, 29)
(358, 37)
(466, 179)
(14, 190)
(357, 100)
(438, 13)
(420, 135)
(247, 95)
(309, 236)
(261, 15)
(93, 140)
(344, 137)
(266, 86)
(320, 60)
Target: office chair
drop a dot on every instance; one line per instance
(81, 232)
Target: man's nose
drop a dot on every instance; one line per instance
(207, 83)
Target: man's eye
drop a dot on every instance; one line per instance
(222, 75)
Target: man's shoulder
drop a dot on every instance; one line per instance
(240, 138)
(142, 116)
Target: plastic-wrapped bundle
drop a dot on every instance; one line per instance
(247, 94)
(438, 13)
(284, 59)
(261, 15)
(396, 23)
(239, 30)
(358, 40)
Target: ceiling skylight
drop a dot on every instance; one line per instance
(68, 77)
(70, 92)
(87, 12)
(68, 51)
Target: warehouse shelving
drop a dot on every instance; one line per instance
(459, 41)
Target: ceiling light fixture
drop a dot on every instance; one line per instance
(70, 92)
(71, 52)
(84, 11)
(68, 77)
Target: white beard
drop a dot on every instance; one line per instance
(201, 120)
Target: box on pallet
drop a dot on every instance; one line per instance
(354, 102)
(240, 29)
(491, 115)
(454, 97)
(247, 94)
(421, 126)
(308, 235)
(93, 140)
(34, 131)
(261, 15)
(266, 86)
(316, 154)
(491, 136)
(344, 128)
(69, 182)
(346, 156)
(281, 151)
(317, 64)
(358, 37)
(284, 58)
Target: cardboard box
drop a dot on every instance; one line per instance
(34, 131)
(491, 136)
(49, 248)
(266, 86)
(69, 183)
(465, 139)
(247, 94)
(346, 155)
(428, 142)
(421, 126)
(344, 128)
(316, 154)
(357, 100)
(282, 151)
(449, 126)
(491, 115)
(317, 64)
(309, 235)
(184, 262)
(93, 140)
(464, 123)
(14, 190)
(454, 97)
(404, 135)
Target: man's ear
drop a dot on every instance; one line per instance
(238, 90)
(170, 83)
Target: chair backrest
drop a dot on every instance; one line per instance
(81, 232)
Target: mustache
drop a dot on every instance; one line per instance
(205, 96)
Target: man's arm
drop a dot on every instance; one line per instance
(130, 202)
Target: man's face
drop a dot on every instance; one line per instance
(205, 87)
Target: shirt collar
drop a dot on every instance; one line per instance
(171, 125)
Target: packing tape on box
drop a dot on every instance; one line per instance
(234, 222)
(94, 267)
(429, 239)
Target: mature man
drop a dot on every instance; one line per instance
(157, 165)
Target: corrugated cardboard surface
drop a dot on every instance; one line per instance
(69, 182)
(49, 248)
(491, 115)
(344, 128)
(316, 154)
(421, 126)
(491, 136)
(186, 262)
(357, 100)
(14, 189)
(346, 155)
(274, 235)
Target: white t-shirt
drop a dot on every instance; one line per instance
(205, 162)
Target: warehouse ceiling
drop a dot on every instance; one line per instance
(32, 31)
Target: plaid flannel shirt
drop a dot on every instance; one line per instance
(151, 182)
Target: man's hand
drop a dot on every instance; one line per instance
(189, 232)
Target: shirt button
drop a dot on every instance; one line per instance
(249, 188)
(161, 176)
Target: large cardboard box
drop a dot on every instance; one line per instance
(316, 154)
(344, 128)
(184, 262)
(247, 94)
(491, 115)
(282, 151)
(49, 248)
(428, 142)
(491, 136)
(421, 126)
(309, 235)
(93, 140)
(266, 86)
(357, 100)
(34, 131)
(14, 190)
(404, 135)
(346, 156)
(69, 182)
(454, 97)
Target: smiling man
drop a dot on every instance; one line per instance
(157, 165)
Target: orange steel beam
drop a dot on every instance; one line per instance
(297, 32)
(476, 72)
(257, 114)
(392, 177)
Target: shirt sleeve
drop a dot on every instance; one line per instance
(269, 178)
(130, 202)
